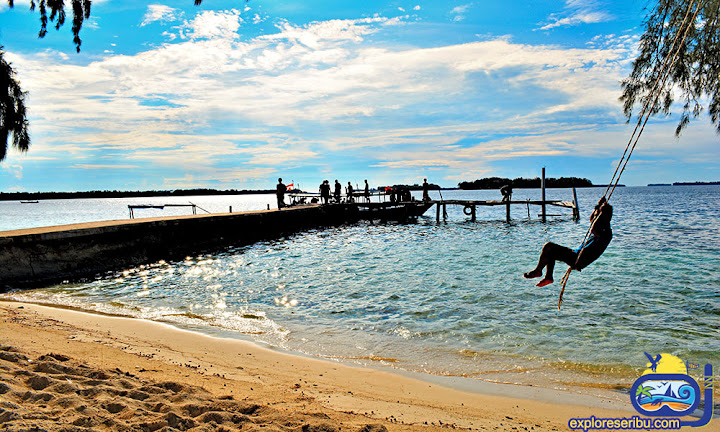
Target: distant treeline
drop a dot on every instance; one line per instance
(413, 187)
(696, 183)
(8, 196)
(523, 183)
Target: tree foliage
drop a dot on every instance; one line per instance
(54, 12)
(695, 75)
(524, 183)
(13, 116)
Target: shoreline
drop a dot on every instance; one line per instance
(508, 373)
(573, 395)
(354, 394)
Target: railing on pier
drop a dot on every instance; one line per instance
(133, 207)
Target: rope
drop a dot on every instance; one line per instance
(645, 114)
(675, 57)
(647, 101)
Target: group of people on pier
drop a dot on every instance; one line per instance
(325, 196)
(333, 194)
(325, 193)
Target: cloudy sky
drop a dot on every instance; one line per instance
(234, 94)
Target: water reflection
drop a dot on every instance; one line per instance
(427, 294)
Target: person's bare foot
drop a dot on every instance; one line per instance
(533, 274)
(544, 282)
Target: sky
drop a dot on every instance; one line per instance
(234, 94)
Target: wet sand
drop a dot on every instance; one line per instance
(67, 370)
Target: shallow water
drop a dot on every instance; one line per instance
(449, 297)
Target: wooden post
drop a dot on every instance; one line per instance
(576, 209)
(444, 211)
(542, 193)
(437, 211)
(472, 213)
(230, 209)
(528, 208)
(507, 211)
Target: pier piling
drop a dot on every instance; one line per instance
(542, 194)
(576, 207)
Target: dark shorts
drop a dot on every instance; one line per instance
(562, 253)
(591, 252)
(594, 248)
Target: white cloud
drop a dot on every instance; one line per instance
(195, 104)
(14, 170)
(105, 166)
(170, 36)
(161, 13)
(577, 12)
(458, 12)
(232, 177)
(460, 9)
(211, 25)
(417, 7)
(319, 34)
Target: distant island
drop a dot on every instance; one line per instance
(523, 183)
(696, 183)
(10, 196)
(412, 187)
(714, 183)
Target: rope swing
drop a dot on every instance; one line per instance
(645, 114)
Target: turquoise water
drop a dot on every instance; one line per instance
(449, 297)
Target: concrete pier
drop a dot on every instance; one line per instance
(43, 256)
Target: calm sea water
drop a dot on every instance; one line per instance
(445, 298)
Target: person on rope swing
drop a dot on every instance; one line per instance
(577, 259)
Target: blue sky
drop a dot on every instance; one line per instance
(167, 95)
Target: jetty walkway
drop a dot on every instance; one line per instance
(38, 257)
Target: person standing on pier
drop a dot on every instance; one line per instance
(426, 191)
(578, 259)
(280, 190)
(325, 191)
(506, 192)
(367, 191)
(338, 191)
(350, 192)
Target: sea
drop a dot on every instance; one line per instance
(443, 298)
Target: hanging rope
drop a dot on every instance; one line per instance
(643, 118)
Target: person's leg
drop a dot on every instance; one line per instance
(551, 252)
(543, 261)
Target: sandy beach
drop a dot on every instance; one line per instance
(67, 370)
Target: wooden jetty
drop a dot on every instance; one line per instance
(470, 207)
(38, 257)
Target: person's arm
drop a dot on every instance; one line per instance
(599, 207)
